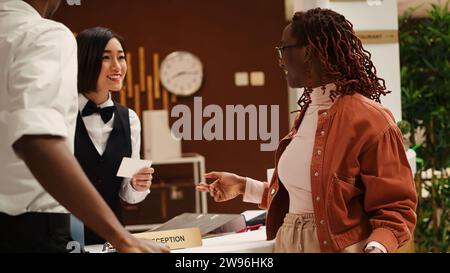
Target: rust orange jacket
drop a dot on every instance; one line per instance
(361, 181)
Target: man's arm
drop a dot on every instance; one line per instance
(57, 170)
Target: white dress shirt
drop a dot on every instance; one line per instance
(99, 132)
(38, 92)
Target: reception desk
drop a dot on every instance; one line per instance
(245, 242)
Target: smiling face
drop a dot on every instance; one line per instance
(114, 67)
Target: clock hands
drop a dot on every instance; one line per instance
(183, 73)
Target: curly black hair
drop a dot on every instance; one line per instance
(340, 52)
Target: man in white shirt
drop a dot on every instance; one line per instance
(38, 109)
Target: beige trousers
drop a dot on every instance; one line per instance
(298, 234)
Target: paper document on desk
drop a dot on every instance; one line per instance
(130, 166)
(207, 223)
(253, 217)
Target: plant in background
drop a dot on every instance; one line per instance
(425, 76)
(405, 128)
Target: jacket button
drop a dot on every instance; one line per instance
(325, 114)
(322, 133)
(319, 152)
(317, 198)
(316, 174)
(322, 222)
(325, 242)
(272, 191)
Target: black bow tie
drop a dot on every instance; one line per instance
(106, 113)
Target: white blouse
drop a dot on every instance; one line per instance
(294, 167)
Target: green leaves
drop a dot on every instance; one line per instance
(405, 126)
(425, 79)
(425, 76)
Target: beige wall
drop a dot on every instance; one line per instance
(421, 5)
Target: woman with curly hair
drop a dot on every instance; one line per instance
(342, 182)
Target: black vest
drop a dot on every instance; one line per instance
(102, 169)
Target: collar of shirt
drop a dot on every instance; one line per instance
(18, 6)
(320, 98)
(82, 100)
(97, 130)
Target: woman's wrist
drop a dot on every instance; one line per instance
(242, 182)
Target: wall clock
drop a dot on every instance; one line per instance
(181, 73)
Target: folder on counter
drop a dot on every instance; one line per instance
(255, 217)
(208, 223)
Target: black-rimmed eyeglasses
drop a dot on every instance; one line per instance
(281, 48)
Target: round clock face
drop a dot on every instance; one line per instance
(181, 73)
